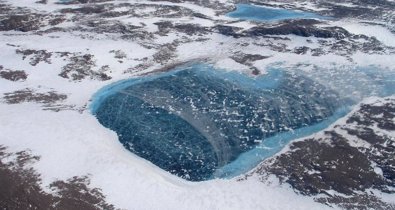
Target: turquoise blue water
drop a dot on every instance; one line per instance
(262, 13)
(270, 80)
(116, 87)
(199, 122)
(270, 146)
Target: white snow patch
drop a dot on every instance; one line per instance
(73, 144)
(381, 33)
(230, 64)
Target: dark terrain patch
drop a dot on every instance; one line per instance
(36, 56)
(165, 53)
(336, 166)
(119, 55)
(191, 29)
(247, 59)
(334, 40)
(81, 67)
(97, 17)
(317, 166)
(382, 114)
(29, 95)
(20, 187)
(11, 75)
(24, 20)
(164, 27)
(227, 30)
(110, 27)
(304, 28)
(23, 23)
(363, 201)
(82, 1)
(135, 10)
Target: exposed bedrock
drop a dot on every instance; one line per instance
(353, 158)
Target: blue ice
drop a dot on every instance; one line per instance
(270, 146)
(199, 123)
(267, 14)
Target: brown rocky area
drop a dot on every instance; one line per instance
(29, 95)
(344, 163)
(20, 187)
(12, 75)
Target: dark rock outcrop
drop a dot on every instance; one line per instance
(304, 28)
(349, 159)
(28, 95)
(20, 187)
(12, 75)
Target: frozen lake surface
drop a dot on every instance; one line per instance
(262, 13)
(199, 123)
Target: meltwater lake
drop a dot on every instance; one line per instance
(268, 14)
(200, 123)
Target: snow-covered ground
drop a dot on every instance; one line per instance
(71, 142)
(76, 144)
